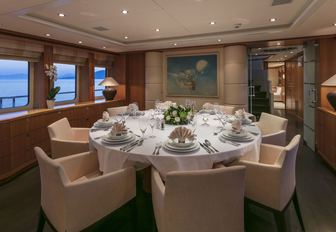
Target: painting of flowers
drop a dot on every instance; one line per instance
(192, 75)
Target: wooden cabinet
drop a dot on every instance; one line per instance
(21, 133)
(326, 135)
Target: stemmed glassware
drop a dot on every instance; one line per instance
(152, 122)
(205, 118)
(143, 127)
(193, 123)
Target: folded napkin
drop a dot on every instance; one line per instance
(118, 129)
(236, 125)
(240, 114)
(182, 134)
(106, 116)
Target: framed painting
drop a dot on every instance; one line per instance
(193, 75)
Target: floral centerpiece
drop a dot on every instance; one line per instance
(178, 115)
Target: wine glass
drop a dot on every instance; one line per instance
(152, 122)
(205, 118)
(124, 117)
(193, 123)
(142, 127)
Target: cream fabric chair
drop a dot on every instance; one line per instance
(73, 193)
(117, 110)
(199, 201)
(227, 109)
(273, 129)
(66, 140)
(271, 182)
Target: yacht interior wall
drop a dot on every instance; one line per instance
(232, 76)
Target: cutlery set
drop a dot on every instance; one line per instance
(208, 147)
(132, 145)
(157, 149)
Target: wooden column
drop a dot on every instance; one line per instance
(91, 64)
(83, 83)
(41, 81)
(118, 72)
(135, 78)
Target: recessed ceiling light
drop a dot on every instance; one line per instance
(219, 40)
(291, 52)
(124, 12)
(103, 47)
(335, 24)
(175, 44)
(48, 35)
(278, 43)
(126, 37)
(259, 48)
(157, 29)
(256, 54)
(212, 23)
(285, 56)
(273, 19)
(61, 15)
(80, 42)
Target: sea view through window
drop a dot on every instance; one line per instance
(14, 83)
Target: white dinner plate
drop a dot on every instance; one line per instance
(168, 147)
(114, 142)
(181, 145)
(246, 139)
(117, 137)
(233, 134)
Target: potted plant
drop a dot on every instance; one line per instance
(51, 96)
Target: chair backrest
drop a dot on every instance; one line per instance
(227, 109)
(117, 110)
(53, 179)
(60, 129)
(269, 123)
(208, 106)
(287, 161)
(206, 200)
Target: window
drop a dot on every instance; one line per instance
(99, 75)
(14, 83)
(66, 79)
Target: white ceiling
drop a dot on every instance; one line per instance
(184, 22)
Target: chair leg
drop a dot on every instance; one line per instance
(41, 221)
(280, 220)
(297, 209)
(246, 214)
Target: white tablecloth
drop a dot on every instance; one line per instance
(112, 159)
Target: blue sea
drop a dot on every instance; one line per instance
(17, 87)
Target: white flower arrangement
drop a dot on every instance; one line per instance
(51, 72)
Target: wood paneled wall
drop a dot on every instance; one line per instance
(294, 86)
(135, 78)
(326, 116)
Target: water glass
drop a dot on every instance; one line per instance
(142, 127)
(152, 123)
(205, 117)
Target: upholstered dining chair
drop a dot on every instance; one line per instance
(74, 194)
(199, 201)
(66, 140)
(270, 183)
(117, 110)
(273, 129)
(227, 109)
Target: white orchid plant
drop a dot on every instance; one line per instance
(51, 72)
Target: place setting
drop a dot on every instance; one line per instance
(236, 135)
(181, 140)
(118, 135)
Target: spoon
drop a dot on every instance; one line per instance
(207, 142)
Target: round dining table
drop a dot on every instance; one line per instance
(111, 158)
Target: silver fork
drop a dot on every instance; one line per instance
(154, 152)
(158, 149)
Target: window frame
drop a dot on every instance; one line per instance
(94, 80)
(30, 72)
(75, 100)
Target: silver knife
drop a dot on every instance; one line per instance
(205, 148)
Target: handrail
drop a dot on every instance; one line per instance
(13, 98)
